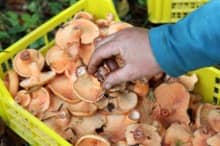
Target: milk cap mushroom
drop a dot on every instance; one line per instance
(28, 63)
(11, 82)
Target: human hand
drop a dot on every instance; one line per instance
(133, 46)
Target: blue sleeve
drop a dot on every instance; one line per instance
(192, 43)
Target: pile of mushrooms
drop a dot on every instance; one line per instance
(57, 89)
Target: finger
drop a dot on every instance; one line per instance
(121, 75)
(105, 51)
(104, 40)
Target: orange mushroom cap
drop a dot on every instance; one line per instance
(40, 101)
(116, 126)
(89, 31)
(28, 63)
(172, 104)
(88, 124)
(83, 15)
(11, 82)
(68, 35)
(62, 87)
(144, 134)
(82, 109)
(58, 59)
(178, 133)
(23, 98)
(87, 88)
(141, 88)
(208, 115)
(92, 140)
(86, 52)
(200, 137)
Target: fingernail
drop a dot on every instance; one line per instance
(107, 86)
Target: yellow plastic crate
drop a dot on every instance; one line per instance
(170, 11)
(18, 119)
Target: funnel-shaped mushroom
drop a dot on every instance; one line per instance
(208, 115)
(83, 15)
(28, 63)
(214, 140)
(58, 59)
(144, 134)
(82, 108)
(89, 31)
(62, 87)
(116, 126)
(117, 26)
(67, 35)
(23, 98)
(88, 88)
(87, 125)
(11, 82)
(178, 133)
(200, 137)
(40, 101)
(127, 101)
(172, 104)
(189, 81)
(92, 140)
(43, 79)
(86, 51)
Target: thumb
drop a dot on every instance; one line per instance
(118, 76)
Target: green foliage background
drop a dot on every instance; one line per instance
(19, 17)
